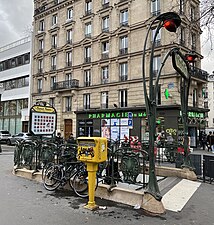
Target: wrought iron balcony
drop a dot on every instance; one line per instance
(199, 73)
(123, 51)
(105, 5)
(105, 55)
(123, 77)
(66, 84)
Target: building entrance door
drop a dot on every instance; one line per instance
(68, 128)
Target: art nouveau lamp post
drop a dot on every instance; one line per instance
(170, 21)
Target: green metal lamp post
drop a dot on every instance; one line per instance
(170, 21)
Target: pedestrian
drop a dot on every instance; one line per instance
(71, 140)
(203, 140)
(59, 139)
(209, 141)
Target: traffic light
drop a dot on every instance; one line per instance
(166, 93)
(171, 21)
(191, 57)
(170, 25)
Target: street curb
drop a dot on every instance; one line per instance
(117, 194)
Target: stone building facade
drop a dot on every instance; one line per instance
(87, 62)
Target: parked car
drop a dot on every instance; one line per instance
(4, 135)
(18, 137)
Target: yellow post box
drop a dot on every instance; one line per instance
(92, 150)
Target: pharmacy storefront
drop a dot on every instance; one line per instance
(120, 124)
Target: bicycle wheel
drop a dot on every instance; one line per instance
(80, 183)
(52, 177)
(45, 167)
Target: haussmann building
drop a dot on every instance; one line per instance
(87, 63)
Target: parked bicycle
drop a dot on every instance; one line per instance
(74, 173)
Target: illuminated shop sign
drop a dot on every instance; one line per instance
(195, 114)
(115, 115)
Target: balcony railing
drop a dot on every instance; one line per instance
(123, 77)
(87, 59)
(105, 81)
(105, 5)
(66, 84)
(199, 73)
(156, 13)
(124, 23)
(123, 51)
(105, 55)
(105, 29)
(104, 106)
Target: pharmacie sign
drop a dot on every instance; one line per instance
(115, 115)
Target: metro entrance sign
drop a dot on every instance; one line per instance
(179, 63)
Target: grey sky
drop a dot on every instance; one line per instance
(16, 18)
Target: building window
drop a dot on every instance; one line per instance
(123, 98)
(68, 104)
(155, 7)
(123, 71)
(195, 98)
(54, 19)
(88, 7)
(206, 105)
(26, 58)
(53, 81)
(68, 58)
(53, 62)
(105, 50)
(105, 75)
(192, 13)
(105, 24)
(124, 17)
(158, 37)
(41, 25)
(40, 66)
(87, 78)
(104, 100)
(193, 41)
(88, 30)
(39, 85)
(68, 77)
(52, 101)
(156, 65)
(69, 36)
(88, 54)
(86, 101)
(54, 41)
(69, 14)
(182, 36)
(181, 6)
(105, 3)
(41, 45)
(123, 45)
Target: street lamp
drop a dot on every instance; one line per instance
(1, 92)
(170, 21)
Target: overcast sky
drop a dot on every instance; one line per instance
(16, 19)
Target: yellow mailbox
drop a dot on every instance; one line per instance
(92, 149)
